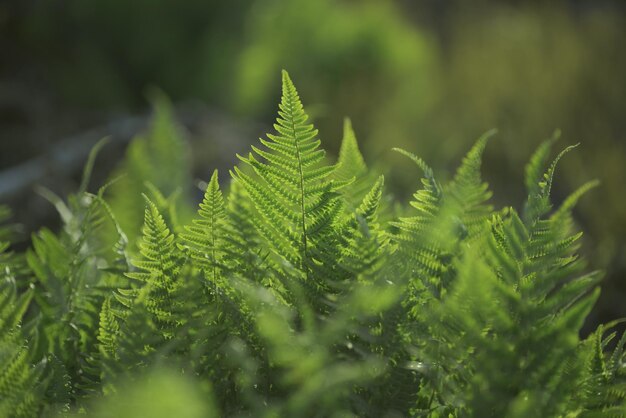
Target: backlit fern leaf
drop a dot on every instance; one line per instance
(108, 340)
(159, 267)
(352, 167)
(420, 253)
(468, 193)
(350, 163)
(315, 304)
(362, 254)
(296, 195)
(539, 182)
(205, 238)
(151, 317)
(244, 247)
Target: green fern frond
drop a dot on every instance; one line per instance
(420, 254)
(468, 192)
(159, 158)
(68, 294)
(20, 393)
(362, 254)
(205, 238)
(159, 266)
(108, 330)
(296, 194)
(296, 295)
(535, 168)
(487, 323)
(350, 163)
(151, 319)
(244, 248)
(539, 187)
(605, 388)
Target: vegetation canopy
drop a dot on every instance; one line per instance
(302, 289)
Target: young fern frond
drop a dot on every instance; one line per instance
(539, 181)
(533, 176)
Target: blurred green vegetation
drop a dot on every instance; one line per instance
(162, 393)
(427, 76)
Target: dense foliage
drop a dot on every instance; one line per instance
(304, 291)
(431, 71)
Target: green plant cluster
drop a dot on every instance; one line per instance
(305, 291)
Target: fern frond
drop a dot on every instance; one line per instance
(420, 253)
(205, 238)
(243, 243)
(362, 254)
(487, 323)
(538, 203)
(68, 294)
(296, 195)
(20, 392)
(159, 158)
(535, 167)
(605, 387)
(159, 266)
(468, 192)
(350, 163)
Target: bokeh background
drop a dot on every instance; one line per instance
(429, 76)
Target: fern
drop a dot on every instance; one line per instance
(296, 195)
(156, 164)
(152, 308)
(297, 291)
(605, 388)
(20, 392)
(206, 237)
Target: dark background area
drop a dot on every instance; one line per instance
(428, 76)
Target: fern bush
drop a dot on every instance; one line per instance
(300, 288)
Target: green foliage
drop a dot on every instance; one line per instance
(297, 291)
(156, 164)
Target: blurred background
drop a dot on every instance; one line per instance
(429, 76)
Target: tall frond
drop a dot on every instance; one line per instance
(295, 194)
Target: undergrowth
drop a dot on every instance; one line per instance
(300, 288)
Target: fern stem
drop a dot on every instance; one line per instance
(301, 181)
